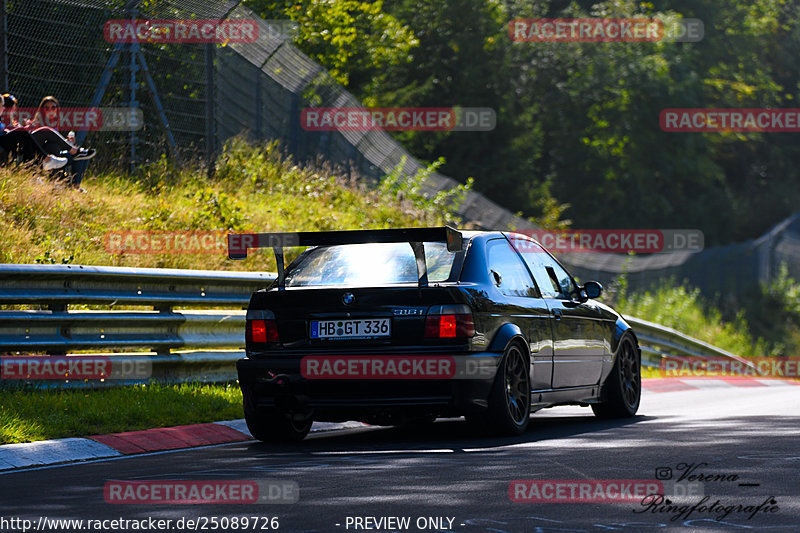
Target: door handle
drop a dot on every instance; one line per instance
(557, 313)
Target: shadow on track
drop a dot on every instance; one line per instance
(453, 433)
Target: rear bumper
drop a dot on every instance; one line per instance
(287, 383)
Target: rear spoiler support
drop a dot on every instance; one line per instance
(239, 243)
(280, 266)
(422, 265)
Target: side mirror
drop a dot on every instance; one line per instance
(592, 289)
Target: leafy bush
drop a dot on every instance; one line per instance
(682, 307)
(409, 192)
(773, 312)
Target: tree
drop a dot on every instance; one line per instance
(354, 40)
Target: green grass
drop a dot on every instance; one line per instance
(684, 309)
(650, 373)
(254, 188)
(31, 415)
(763, 322)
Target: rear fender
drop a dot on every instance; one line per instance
(622, 329)
(506, 334)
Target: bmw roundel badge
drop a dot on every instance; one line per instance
(348, 298)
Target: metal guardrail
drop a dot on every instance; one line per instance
(162, 324)
(660, 343)
(56, 286)
(160, 320)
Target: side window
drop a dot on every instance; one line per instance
(567, 288)
(514, 278)
(552, 279)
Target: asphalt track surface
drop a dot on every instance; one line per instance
(748, 435)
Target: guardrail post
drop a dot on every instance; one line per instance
(62, 332)
(163, 308)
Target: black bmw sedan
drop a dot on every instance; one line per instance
(401, 326)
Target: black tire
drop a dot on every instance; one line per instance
(272, 425)
(622, 390)
(510, 399)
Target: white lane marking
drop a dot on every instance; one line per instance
(383, 452)
(241, 426)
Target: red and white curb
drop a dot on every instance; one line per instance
(49, 452)
(698, 383)
(46, 452)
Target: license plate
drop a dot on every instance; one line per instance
(366, 328)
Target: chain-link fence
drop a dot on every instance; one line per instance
(196, 96)
(208, 92)
(57, 47)
(728, 270)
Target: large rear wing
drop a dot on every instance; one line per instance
(239, 243)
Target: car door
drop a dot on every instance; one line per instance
(578, 340)
(523, 305)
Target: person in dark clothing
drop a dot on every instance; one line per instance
(19, 143)
(10, 111)
(50, 139)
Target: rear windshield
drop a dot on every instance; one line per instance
(369, 265)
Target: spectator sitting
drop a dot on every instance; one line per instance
(19, 143)
(50, 139)
(10, 111)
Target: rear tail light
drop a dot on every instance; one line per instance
(449, 322)
(262, 328)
